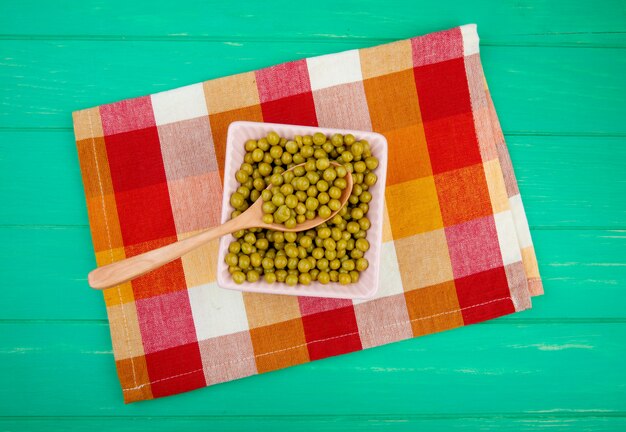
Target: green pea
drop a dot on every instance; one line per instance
(356, 213)
(268, 207)
(291, 280)
(364, 207)
(319, 138)
(306, 241)
(307, 140)
(337, 140)
(300, 195)
(323, 278)
(322, 185)
(341, 183)
(290, 223)
(346, 156)
(234, 247)
(334, 204)
(278, 199)
(370, 179)
(254, 195)
(244, 262)
(330, 244)
(330, 174)
(282, 213)
(231, 259)
(348, 265)
(356, 149)
(359, 234)
(241, 176)
(286, 189)
(265, 169)
(304, 278)
(286, 158)
(273, 138)
(250, 145)
(257, 155)
(356, 254)
(364, 223)
(319, 153)
(267, 263)
(270, 277)
(352, 227)
(344, 279)
(314, 274)
(323, 198)
(353, 199)
(280, 261)
(276, 180)
(291, 147)
(365, 197)
(311, 203)
(276, 152)
(334, 276)
(354, 276)
(328, 147)
(360, 167)
(259, 184)
(255, 259)
(263, 144)
(239, 277)
(268, 218)
(334, 192)
(266, 195)
(334, 264)
(310, 166)
(281, 275)
(304, 265)
(322, 164)
(307, 151)
(291, 201)
(371, 163)
(324, 212)
(236, 200)
(336, 234)
(362, 244)
(262, 244)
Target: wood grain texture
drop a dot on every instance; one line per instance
(556, 72)
(540, 89)
(65, 369)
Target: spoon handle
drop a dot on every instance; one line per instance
(122, 271)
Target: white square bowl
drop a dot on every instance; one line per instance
(367, 286)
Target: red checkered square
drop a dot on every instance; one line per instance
(283, 80)
(442, 89)
(331, 333)
(437, 47)
(452, 143)
(127, 115)
(175, 370)
(484, 296)
(473, 246)
(135, 159)
(297, 109)
(165, 321)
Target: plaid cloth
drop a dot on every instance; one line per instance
(457, 248)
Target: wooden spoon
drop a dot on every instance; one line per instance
(130, 268)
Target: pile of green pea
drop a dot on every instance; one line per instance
(331, 252)
(304, 192)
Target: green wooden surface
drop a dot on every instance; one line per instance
(557, 72)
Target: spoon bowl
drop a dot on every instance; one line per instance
(122, 271)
